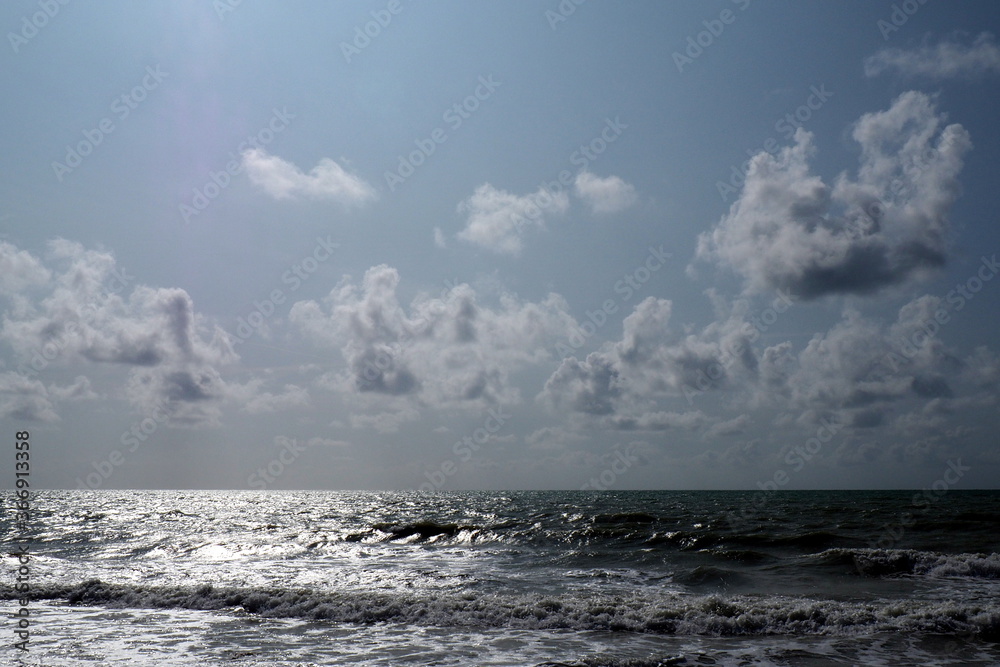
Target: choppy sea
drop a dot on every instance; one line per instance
(242, 578)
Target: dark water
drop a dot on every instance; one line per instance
(515, 578)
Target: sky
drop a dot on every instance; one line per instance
(474, 245)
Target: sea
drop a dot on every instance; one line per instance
(568, 578)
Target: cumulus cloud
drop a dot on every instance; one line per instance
(604, 195)
(170, 352)
(623, 379)
(444, 350)
(25, 399)
(327, 180)
(497, 220)
(590, 386)
(946, 60)
(19, 269)
(790, 230)
(863, 374)
(861, 370)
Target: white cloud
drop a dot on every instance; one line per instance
(661, 421)
(19, 269)
(604, 195)
(497, 220)
(734, 426)
(170, 352)
(265, 402)
(446, 351)
(789, 230)
(79, 390)
(439, 239)
(623, 381)
(946, 60)
(25, 399)
(327, 180)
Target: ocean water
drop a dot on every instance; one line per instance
(509, 578)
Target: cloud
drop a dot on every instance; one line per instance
(604, 195)
(553, 438)
(861, 370)
(284, 180)
(79, 390)
(946, 60)
(789, 230)
(446, 350)
(859, 375)
(170, 352)
(661, 421)
(260, 402)
(591, 386)
(624, 379)
(385, 422)
(982, 367)
(25, 399)
(19, 269)
(734, 426)
(497, 220)
(439, 239)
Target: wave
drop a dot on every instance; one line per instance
(422, 531)
(889, 562)
(671, 614)
(706, 575)
(613, 530)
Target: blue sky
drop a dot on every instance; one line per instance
(480, 245)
